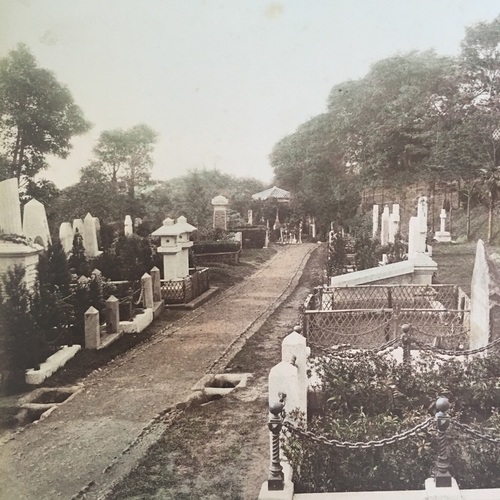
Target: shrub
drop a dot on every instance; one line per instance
(371, 397)
(215, 247)
(252, 237)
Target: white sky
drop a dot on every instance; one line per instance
(221, 81)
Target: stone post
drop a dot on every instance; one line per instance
(375, 221)
(128, 226)
(480, 308)
(284, 379)
(384, 227)
(294, 351)
(147, 291)
(250, 217)
(155, 277)
(394, 219)
(66, 236)
(112, 314)
(92, 329)
(10, 208)
(442, 476)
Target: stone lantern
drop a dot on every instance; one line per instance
(174, 246)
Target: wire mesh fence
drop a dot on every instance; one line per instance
(367, 316)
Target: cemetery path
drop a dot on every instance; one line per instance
(95, 438)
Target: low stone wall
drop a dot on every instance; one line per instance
(52, 364)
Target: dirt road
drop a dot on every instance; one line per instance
(94, 440)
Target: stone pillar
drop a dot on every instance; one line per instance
(313, 228)
(284, 380)
(147, 291)
(300, 233)
(66, 236)
(112, 314)
(250, 217)
(128, 226)
(92, 329)
(375, 214)
(90, 236)
(480, 323)
(294, 351)
(384, 229)
(35, 225)
(155, 278)
(394, 223)
(220, 204)
(10, 208)
(422, 218)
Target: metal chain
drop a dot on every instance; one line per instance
(446, 352)
(462, 331)
(397, 438)
(341, 350)
(469, 430)
(365, 333)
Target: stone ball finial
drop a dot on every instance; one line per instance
(442, 404)
(405, 328)
(297, 328)
(276, 407)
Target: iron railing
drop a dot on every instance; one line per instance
(186, 289)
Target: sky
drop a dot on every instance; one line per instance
(220, 81)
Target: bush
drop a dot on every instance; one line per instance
(371, 397)
(216, 247)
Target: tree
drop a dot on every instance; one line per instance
(38, 116)
(127, 156)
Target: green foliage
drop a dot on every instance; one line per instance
(128, 258)
(372, 397)
(216, 247)
(126, 156)
(78, 261)
(21, 345)
(337, 256)
(365, 252)
(38, 115)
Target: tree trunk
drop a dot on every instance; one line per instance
(490, 218)
(467, 217)
(20, 160)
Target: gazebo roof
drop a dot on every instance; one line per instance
(274, 192)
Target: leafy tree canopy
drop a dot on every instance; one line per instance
(38, 116)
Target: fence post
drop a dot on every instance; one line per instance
(294, 351)
(442, 476)
(155, 277)
(276, 477)
(92, 329)
(406, 341)
(147, 290)
(112, 314)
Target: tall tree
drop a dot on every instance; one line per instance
(127, 156)
(38, 116)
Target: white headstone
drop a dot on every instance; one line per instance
(35, 225)
(90, 236)
(394, 223)
(66, 236)
(250, 217)
(422, 213)
(375, 221)
(129, 228)
(10, 208)
(442, 235)
(384, 231)
(480, 300)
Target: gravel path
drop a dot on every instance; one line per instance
(94, 439)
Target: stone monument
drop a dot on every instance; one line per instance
(442, 235)
(35, 225)
(220, 204)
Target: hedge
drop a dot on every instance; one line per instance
(216, 247)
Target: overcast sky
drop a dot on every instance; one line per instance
(221, 81)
